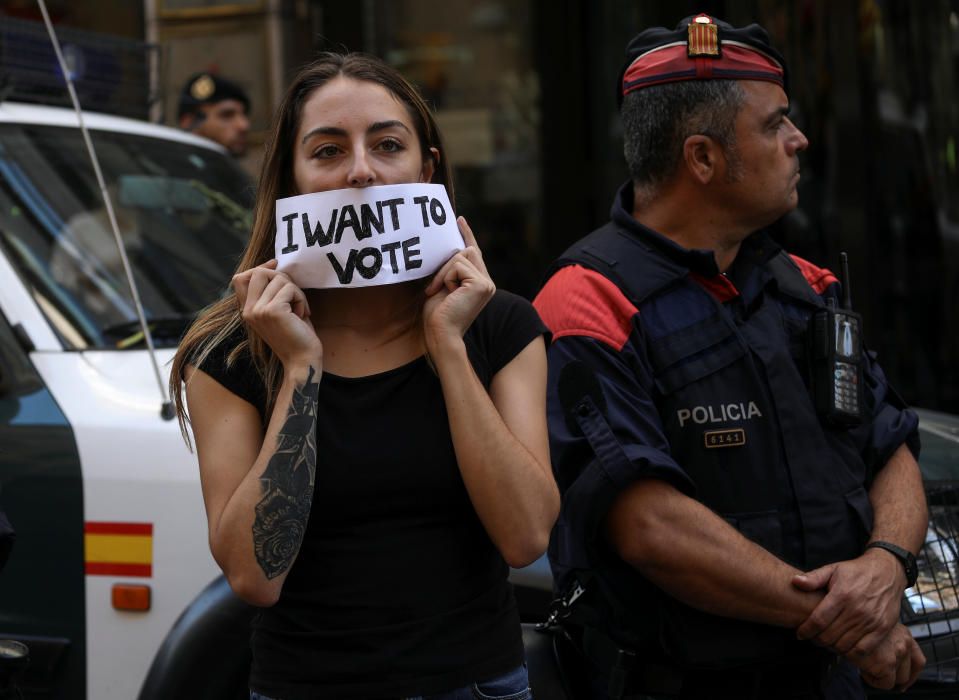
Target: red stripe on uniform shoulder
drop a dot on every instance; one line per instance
(581, 302)
(819, 278)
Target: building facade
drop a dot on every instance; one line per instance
(524, 91)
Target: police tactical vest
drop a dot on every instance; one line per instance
(730, 387)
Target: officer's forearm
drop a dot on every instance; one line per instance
(899, 502)
(864, 594)
(695, 556)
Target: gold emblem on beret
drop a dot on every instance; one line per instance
(202, 87)
(703, 38)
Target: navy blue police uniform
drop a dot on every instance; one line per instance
(661, 367)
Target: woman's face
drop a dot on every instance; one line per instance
(355, 133)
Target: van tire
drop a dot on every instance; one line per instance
(207, 652)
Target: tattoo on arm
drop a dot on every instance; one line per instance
(287, 485)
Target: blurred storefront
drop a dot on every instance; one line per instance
(524, 92)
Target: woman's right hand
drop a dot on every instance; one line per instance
(277, 310)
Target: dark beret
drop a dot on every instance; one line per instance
(207, 88)
(699, 48)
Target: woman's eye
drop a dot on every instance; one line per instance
(327, 151)
(390, 145)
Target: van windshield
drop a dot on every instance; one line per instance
(182, 210)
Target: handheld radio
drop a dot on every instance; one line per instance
(836, 356)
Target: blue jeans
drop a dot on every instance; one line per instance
(512, 685)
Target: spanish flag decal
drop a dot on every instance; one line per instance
(118, 549)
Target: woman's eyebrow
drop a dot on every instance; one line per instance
(324, 131)
(336, 131)
(388, 124)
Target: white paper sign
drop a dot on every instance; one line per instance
(363, 237)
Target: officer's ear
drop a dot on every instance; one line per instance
(701, 156)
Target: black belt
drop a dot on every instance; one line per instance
(630, 675)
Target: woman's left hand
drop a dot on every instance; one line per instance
(456, 294)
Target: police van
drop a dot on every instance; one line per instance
(110, 583)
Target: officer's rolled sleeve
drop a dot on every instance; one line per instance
(892, 423)
(632, 417)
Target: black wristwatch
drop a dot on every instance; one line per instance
(905, 557)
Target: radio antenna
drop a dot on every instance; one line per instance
(166, 407)
(844, 281)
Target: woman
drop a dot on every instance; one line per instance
(371, 459)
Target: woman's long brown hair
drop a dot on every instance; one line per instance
(221, 319)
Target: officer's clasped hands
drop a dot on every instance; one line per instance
(859, 618)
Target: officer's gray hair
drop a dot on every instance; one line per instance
(657, 121)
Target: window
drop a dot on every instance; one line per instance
(180, 210)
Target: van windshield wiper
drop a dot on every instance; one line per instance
(129, 334)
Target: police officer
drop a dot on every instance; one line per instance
(216, 108)
(724, 533)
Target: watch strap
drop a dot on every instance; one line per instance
(905, 557)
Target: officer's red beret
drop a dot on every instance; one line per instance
(700, 48)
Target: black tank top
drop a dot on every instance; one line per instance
(397, 589)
